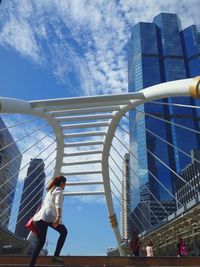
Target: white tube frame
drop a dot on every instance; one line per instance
(42, 109)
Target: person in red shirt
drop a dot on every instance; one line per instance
(181, 248)
(135, 244)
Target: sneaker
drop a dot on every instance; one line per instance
(56, 259)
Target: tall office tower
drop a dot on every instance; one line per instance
(31, 196)
(126, 199)
(149, 212)
(191, 39)
(10, 156)
(191, 174)
(159, 52)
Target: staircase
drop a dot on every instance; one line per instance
(102, 261)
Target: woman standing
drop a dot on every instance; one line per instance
(181, 248)
(149, 249)
(50, 215)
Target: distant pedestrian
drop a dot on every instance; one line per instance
(135, 244)
(149, 249)
(181, 248)
(50, 215)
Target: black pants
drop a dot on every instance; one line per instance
(42, 227)
(136, 253)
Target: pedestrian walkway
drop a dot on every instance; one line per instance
(87, 138)
(103, 261)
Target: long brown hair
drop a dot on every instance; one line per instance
(56, 181)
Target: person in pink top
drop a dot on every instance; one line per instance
(181, 248)
(149, 249)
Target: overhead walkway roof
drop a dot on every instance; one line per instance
(84, 129)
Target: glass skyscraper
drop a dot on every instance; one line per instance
(10, 161)
(160, 52)
(31, 196)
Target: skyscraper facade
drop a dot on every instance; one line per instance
(149, 211)
(160, 52)
(31, 196)
(10, 161)
(186, 192)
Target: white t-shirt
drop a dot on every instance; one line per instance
(53, 200)
(149, 251)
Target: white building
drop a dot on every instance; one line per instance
(126, 199)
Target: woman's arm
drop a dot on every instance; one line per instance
(58, 204)
(58, 218)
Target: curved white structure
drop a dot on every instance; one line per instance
(91, 122)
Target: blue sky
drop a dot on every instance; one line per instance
(66, 48)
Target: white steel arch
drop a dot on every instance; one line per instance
(73, 118)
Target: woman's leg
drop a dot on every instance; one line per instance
(41, 237)
(62, 230)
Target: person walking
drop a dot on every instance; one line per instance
(181, 248)
(135, 244)
(149, 249)
(50, 215)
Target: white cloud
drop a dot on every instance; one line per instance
(19, 35)
(81, 38)
(83, 43)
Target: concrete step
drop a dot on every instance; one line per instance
(102, 261)
(26, 265)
